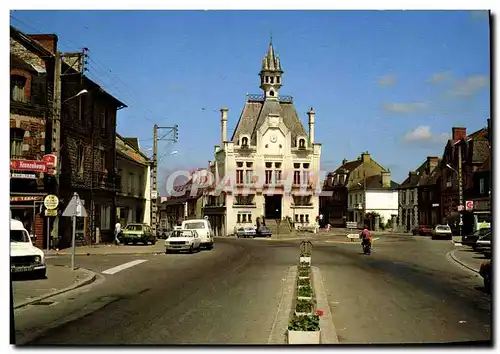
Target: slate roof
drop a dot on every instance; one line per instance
(126, 150)
(132, 141)
(254, 114)
(414, 177)
(375, 182)
(348, 166)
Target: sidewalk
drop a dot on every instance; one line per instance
(59, 280)
(159, 247)
(468, 258)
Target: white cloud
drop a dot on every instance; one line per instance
(440, 77)
(404, 108)
(469, 86)
(387, 80)
(423, 134)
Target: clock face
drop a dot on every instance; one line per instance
(274, 138)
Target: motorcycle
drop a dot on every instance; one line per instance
(367, 247)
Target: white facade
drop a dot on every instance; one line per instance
(134, 196)
(383, 202)
(271, 166)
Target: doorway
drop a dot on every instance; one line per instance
(273, 206)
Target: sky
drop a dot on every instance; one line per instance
(392, 83)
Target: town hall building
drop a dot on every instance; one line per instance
(270, 163)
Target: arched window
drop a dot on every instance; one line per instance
(302, 143)
(244, 141)
(271, 93)
(17, 86)
(278, 79)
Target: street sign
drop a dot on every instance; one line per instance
(50, 212)
(50, 160)
(154, 194)
(460, 207)
(352, 225)
(75, 208)
(51, 201)
(469, 205)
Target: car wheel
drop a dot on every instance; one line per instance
(487, 283)
(40, 274)
(414, 233)
(210, 246)
(153, 242)
(167, 251)
(191, 249)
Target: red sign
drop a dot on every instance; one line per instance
(50, 160)
(469, 205)
(28, 165)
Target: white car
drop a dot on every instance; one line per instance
(442, 231)
(484, 242)
(204, 230)
(183, 240)
(24, 257)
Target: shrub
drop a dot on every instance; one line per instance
(305, 291)
(303, 282)
(304, 306)
(304, 323)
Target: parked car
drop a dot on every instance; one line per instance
(164, 233)
(264, 231)
(470, 240)
(135, 233)
(183, 240)
(204, 230)
(245, 231)
(485, 271)
(422, 230)
(442, 231)
(24, 257)
(484, 242)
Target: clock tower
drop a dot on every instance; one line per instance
(270, 74)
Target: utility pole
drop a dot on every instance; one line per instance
(56, 135)
(154, 187)
(460, 187)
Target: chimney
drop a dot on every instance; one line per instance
(432, 162)
(365, 157)
(458, 133)
(223, 120)
(386, 179)
(48, 41)
(311, 115)
(344, 161)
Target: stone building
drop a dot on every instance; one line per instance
(31, 95)
(269, 167)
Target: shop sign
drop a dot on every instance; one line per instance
(51, 201)
(23, 175)
(51, 212)
(26, 198)
(28, 165)
(50, 160)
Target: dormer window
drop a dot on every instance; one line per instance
(244, 141)
(302, 143)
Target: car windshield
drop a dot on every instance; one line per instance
(19, 236)
(481, 232)
(194, 225)
(443, 228)
(133, 227)
(184, 233)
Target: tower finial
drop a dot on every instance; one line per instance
(271, 38)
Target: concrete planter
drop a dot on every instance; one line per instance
(304, 277)
(305, 260)
(303, 313)
(308, 298)
(304, 337)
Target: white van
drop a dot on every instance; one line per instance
(24, 257)
(204, 230)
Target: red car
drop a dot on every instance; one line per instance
(422, 230)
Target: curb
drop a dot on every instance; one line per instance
(463, 264)
(106, 254)
(328, 331)
(88, 280)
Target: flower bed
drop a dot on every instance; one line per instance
(304, 330)
(304, 307)
(305, 292)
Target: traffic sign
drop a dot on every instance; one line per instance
(51, 201)
(50, 212)
(75, 207)
(469, 205)
(460, 207)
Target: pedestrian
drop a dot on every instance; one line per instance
(118, 230)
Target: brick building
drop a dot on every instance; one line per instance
(31, 93)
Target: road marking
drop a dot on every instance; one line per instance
(124, 266)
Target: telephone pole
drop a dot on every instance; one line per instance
(154, 187)
(460, 188)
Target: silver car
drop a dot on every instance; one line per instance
(442, 231)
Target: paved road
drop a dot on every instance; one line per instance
(227, 295)
(406, 291)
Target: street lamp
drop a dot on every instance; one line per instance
(451, 168)
(82, 92)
